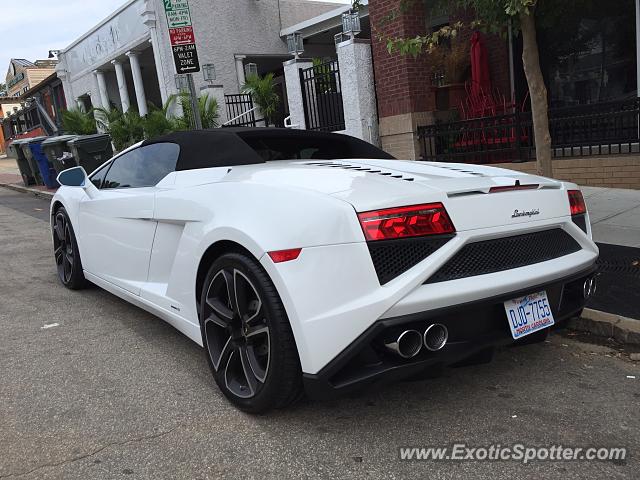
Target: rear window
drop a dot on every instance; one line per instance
(274, 147)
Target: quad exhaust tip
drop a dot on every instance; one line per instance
(435, 337)
(407, 345)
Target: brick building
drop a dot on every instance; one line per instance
(588, 62)
(406, 97)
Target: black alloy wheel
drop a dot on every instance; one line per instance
(65, 251)
(247, 336)
(237, 333)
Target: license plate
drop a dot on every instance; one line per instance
(528, 314)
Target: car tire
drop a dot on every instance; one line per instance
(65, 251)
(247, 337)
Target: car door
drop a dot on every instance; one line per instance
(116, 226)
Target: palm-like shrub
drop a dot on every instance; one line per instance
(77, 122)
(158, 121)
(125, 128)
(207, 105)
(208, 111)
(263, 93)
(129, 128)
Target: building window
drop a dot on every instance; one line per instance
(591, 56)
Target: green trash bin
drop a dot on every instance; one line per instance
(33, 163)
(14, 150)
(58, 152)
(91, 151)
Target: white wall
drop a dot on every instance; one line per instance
(224, 28)
(358, 89)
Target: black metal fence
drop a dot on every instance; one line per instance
(322, 97)
(237, 106)
(597, 129)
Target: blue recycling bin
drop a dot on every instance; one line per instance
(47, 171)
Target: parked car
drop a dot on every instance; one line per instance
(306, 261)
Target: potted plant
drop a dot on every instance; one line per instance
(450, 68)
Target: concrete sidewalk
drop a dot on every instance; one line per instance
(615, 215)
(10, 177)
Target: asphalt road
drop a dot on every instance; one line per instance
(113, 392)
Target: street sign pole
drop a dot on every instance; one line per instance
(185, 51)
(195, 108)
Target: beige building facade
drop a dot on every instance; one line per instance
(24, 74)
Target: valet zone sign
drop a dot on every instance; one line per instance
(183, 41)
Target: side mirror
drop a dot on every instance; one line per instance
(73, 177)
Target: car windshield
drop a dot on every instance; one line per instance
(275, 147)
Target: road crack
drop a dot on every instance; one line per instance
(90, 454)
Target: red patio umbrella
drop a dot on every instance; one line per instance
(480, 82)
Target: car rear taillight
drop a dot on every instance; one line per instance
(576, 202)
(405, 222)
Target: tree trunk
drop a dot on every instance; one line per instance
(538, 92)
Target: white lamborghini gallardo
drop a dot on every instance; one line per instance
(316, 262)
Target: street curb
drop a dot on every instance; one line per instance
(34, 191)
(609, 325)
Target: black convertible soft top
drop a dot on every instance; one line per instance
(222, 147)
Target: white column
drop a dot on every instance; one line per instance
(358, 90)
(80, 104)
(240, 70)
(294, 90)
(63, 74)
(137, 83)
(149, 19)
(122, 86)
(216, 92)
(102, 89)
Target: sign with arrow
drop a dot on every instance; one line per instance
(185, 58)
(181, 36)
(183, 41)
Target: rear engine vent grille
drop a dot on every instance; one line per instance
(394, 257)
(580, 221)
(497, 255)
(361, 168)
